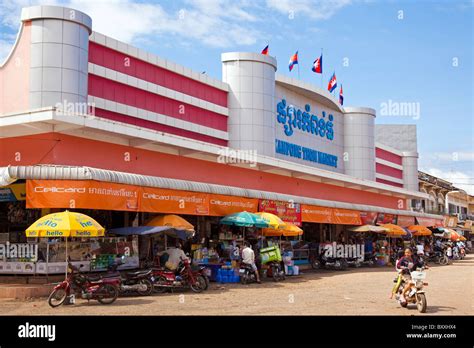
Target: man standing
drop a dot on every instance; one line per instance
(248, 257)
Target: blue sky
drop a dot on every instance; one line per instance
(420, 55)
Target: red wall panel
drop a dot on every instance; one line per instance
(382, 181)
(118, 61)
(388, 156)
(158, 127)
(386, 170)
(118, 92)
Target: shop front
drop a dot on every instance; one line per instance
(213, 245)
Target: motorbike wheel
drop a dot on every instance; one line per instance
(108, 294)
(421, 303)
(443, 260)
(344, 265)
(206, 278)
(403, 304)
(199, 285)
(315, 264)
(159, 289)
(57, 297)
(243, 279)
(275, 274)
(149, 287)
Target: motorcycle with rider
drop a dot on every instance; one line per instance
(410, 281)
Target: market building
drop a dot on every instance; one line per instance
(91, 123)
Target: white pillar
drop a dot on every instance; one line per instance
(58, 55)
(251, 80)
(359, 142)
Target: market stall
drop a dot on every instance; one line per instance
(385, 249)
(220, 253)
(64, 225)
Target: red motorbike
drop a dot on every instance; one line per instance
(104, 290)
(183, 277)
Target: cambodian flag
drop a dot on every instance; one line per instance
(341, 97)
(293, 60)
(265, 50)
(332, 83)
(318, 65)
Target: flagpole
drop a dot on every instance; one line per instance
(322, 69)
(298, 70)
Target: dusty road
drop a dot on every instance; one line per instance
(361, 291)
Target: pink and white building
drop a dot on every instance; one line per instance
(74, 101)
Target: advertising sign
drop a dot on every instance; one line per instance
(450, 221)
(368, 218)
(12, 193)
(311, 213)
(384, 218)
(405, 221)
(288, 212)
(89, 194)
(220, 205)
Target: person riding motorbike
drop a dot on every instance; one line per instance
(175, 256)
(403, 266)
(248, 257)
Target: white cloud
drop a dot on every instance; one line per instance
(315, 9)
(215, 23)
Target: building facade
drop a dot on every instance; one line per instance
(87, 121)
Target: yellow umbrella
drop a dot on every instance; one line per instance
(419, 230)
(65, 224)
(393, 230)
(289, 231)
(171, 220)
(368, 228)
(272, 220)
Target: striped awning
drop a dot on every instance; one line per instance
(10, 174)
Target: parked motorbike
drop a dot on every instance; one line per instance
(415, 294)
(275, 271)
(247, 274)
(140, 282)
(321, 260)
(354, 262)
(370, 259)
(183, 277)
(103, 290)
(462, 253)
(203, 272)
(438, 257)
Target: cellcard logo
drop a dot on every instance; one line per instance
(37, 331)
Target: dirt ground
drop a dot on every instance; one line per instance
(363, 291)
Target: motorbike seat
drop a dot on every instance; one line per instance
(137, 273)
(95, 278)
